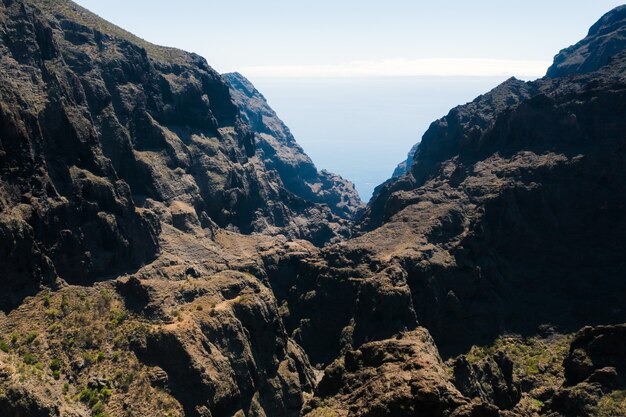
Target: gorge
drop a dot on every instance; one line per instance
(168, 249)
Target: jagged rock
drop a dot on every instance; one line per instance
(490, 379)
(597, 354)
(403, 166)
(528, 171)
(594, 368)
(605, 39)
(403, 376)
(20, 402)
(103, 135)
(279, 150)
(125, 162)
(232, 354)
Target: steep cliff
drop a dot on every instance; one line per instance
(128, 184)
(511, 217)
(406, 164)
(104, 137)
(515, 200)
(509, 220)
(605, 40)
(278, 150)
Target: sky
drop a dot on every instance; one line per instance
(288, 38)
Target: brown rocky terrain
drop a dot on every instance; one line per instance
(168, 249)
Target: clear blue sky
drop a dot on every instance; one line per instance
(233, 35)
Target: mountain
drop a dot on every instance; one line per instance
(104, 140)
(130, 186)
(605, 40)
(513, 200)
(278, 150)
(168, 249)
(510, 220)
(404, 165)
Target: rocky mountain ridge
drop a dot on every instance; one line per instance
(279, 150)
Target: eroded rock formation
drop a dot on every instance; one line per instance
(168, 249)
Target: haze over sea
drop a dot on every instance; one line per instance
(361, 128)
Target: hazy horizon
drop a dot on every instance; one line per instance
(280, 38)
(362, 128)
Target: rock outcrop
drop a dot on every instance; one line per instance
(510, 217)
(403, 166)
(223, 346)
(403, 376)
(491, 380)
(278, 150)
(605, 40)
(595, 374)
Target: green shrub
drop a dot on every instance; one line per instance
(29, 359)
(117, 316)
(52, 314)
(98, 408)
(95, 400)
(323, 412)
(105, 393)
(4, 346)
(31, 336)
(89, 396)
(612, 405)
(65, 305)
(89, 357)
(55, 364)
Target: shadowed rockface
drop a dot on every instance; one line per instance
(512, 213)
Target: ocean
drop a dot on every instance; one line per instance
(361, 128)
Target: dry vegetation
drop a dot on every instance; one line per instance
(85, 17)
(79, 341)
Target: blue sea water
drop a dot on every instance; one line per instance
(361, 128)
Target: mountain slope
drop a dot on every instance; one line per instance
(278, 150)
(605, 39)
(510, 221)
(103, 140)
(511, 217)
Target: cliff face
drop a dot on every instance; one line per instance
(128, 184)
(105, 136)
(515, 196)
(605, 39)
(510, 217)
(278, 150)
(404, 165)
